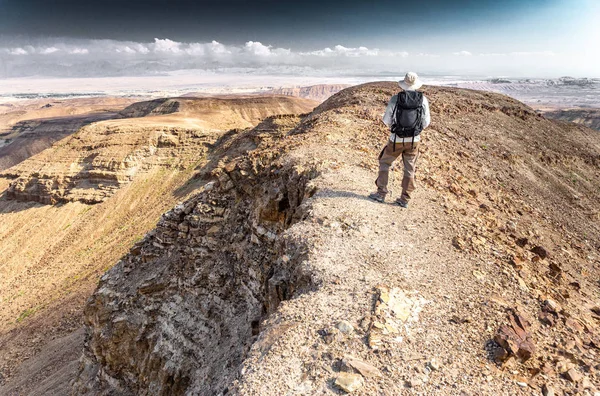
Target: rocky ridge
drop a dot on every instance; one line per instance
(319, 92)
(226, 247)
(583, 116)
(280, 277)
(96, 161)
(29, 128)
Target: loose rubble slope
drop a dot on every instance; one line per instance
(280, 277)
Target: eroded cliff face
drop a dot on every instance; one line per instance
(54, 255)
(100, 158)
(179, 313)
(584, 116)
(91, 166)
(30, 127)
(320, 92)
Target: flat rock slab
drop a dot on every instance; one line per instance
(349, 382)
(367, 370)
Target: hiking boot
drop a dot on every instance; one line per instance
(402, 203)
(377, 197)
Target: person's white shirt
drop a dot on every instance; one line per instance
(388, 117)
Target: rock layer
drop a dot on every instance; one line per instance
(29, 127)
(584, 116)
(92, 164)
(181, 310)
(54, 255)
(319, 92)
(100, 158)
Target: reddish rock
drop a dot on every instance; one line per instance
(515, 338)
(540, 251)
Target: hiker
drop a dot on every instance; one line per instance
(407, 114)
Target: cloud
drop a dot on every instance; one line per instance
(17, 51)
(535, 53)
(126, 50)
(49, 50)
(58, 57)
(79, 51)
(426, 55)
(340, 50)
(257, 48)
(218, 48)
(166, 45)
(167, 49)
(492, 54)
(129, 48)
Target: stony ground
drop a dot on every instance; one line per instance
(463, 301)
(504, 224)
(461, 254)
(487, 284)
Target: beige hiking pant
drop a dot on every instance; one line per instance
(410, 154)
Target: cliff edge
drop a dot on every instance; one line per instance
(280, 277)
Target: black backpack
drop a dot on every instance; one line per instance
(408, 114)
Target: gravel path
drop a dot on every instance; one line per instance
(368, 244)
(452, 253)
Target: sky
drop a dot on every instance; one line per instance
(519, 38)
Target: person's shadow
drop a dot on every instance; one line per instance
(330, 193)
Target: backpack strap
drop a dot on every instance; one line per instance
(394, 112)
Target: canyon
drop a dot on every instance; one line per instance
(225, 250)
